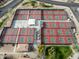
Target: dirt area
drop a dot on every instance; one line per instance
(6, 48)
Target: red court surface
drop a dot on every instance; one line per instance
(63, 25)
(26, 14)
(51, 33)
(41, 14)
(10, 35)
(54, 33)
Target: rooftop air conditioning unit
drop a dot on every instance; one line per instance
(31, 22)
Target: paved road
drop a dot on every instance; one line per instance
(75, 56)
(75, 12)
(9, 6)
(72, 5)
(61, 3)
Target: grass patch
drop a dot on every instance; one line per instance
(1, 23)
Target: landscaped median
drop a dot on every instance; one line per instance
(36, 4)
(7, 16)
(3, 21)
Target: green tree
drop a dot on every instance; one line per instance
(46, 5)
(34, 4)
(58, 52)
(31, 2)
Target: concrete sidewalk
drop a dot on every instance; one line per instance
(61, 0)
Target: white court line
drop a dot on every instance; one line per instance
(56, 21)
(17, 39)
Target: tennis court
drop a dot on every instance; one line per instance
(58, 32)
(26, 35)
(51, 33)
(63, 25)
(55, 33)
(54, 15)
(57, 40)
(28, 14)
(48, 14)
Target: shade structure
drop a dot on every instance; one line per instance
(31, 22)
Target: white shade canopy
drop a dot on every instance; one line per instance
(31, 22)
(20, 24)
